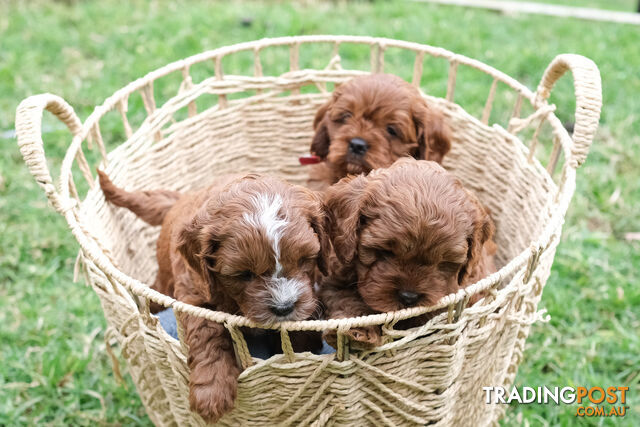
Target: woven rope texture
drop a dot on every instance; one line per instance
(258, 122)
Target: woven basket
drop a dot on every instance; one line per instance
(257, 123)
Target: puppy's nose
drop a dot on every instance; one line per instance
(358, 146)
(408, 298)
(282, 309)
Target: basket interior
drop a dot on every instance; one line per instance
(266, 135)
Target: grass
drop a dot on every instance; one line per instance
(55, 369)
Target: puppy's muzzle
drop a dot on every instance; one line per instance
(358, 146)
(408, 298)
(284, 295)
(282, 310)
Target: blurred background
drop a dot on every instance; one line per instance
(55, 370)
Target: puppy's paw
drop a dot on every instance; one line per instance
(211, 402)
(363, 338)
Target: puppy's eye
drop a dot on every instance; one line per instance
(307, 262)
(210, 263)
(384, 253)
(449, 267)
(392, 131)
(245, 276)
(343, 117)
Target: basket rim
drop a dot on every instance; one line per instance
(256, 45)
(88, 246)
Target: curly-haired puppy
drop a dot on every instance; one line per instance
(247, 246)
(403, 236)
(369, 123)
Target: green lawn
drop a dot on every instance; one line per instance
(54, 366)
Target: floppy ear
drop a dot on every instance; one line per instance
(433, 134)
(321, 140)
(197, 245)
(189, 245)
(483, 230)
(344, 204)
(319, 224)
(316, 214)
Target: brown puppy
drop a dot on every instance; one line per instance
(246, 246)
(369, 123)
(403, 236)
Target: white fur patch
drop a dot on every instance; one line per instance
(266, 217)
(284, 292)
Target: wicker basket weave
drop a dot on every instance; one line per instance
(429, 375)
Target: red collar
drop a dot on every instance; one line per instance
(309, 159)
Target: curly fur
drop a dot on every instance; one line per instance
(385, 111)
(245, 245)
(411, 227)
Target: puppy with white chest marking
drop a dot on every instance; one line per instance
(369, 123)
(246, 245)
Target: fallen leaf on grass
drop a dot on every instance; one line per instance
(65, 379)
(632, 236)
(614, 196)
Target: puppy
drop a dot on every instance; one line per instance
(404, 236)
(248, 246)
(369, 123)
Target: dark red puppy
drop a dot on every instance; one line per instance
(404, 236)
(369, 123)
(249, 246)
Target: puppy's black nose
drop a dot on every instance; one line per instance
(282, 310)
(358, 146)
(408, 298)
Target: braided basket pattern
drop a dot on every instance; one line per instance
(255, 122)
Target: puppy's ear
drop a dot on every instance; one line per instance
(189, 245)
(197, 245)
(316, 214)
(320, 224)
(321, 140)
(433, 134)
(344, 205)
(483, 230)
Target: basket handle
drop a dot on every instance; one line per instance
(588, 91)
(29, 134)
